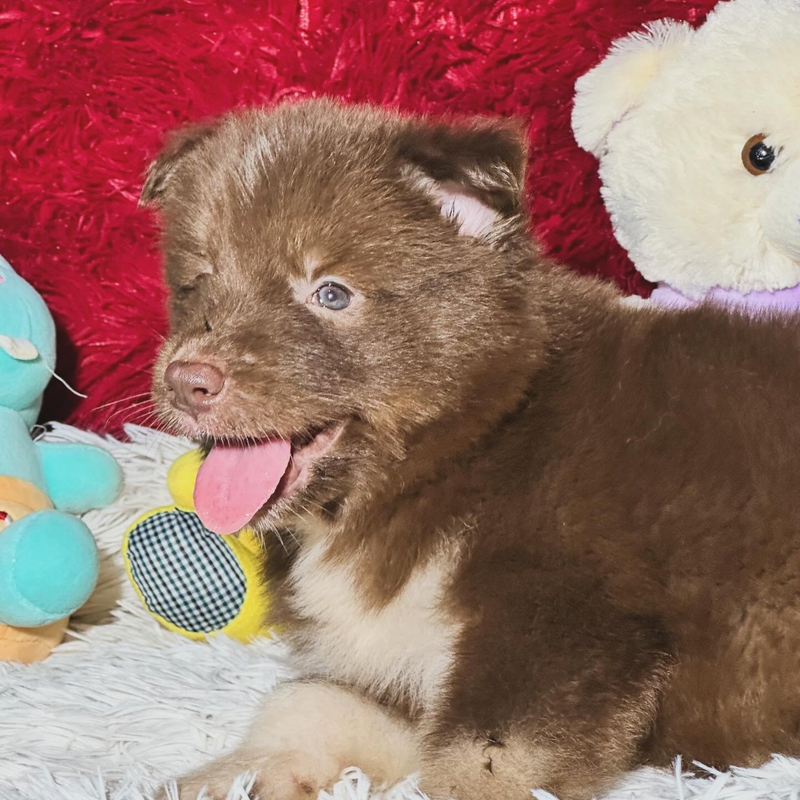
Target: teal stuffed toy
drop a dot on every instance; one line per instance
(48, 557)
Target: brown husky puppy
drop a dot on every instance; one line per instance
(531, 537)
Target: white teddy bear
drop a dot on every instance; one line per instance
(698, 136)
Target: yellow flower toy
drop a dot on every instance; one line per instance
(195, 582)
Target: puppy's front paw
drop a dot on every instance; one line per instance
(280, 776)
(234, 775)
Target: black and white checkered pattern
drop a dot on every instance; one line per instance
(188, 575)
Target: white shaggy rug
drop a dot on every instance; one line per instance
(124, 705)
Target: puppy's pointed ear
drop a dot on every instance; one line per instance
(605, 94)
(179, 145)
(473, 171)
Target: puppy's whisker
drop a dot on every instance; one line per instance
(122, 400)
(128, 408)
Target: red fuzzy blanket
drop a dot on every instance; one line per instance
(88, 87)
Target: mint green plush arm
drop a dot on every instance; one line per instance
(18, 457)
(79, 477)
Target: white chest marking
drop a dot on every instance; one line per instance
(403, 650)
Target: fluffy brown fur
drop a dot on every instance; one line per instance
(556, 536)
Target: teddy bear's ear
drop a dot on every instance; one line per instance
(617, 84)
(473, 170)
(179, 145)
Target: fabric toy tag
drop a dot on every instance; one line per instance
(18, 349)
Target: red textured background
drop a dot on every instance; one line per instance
(87, 89)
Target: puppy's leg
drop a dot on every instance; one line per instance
(560, 698)
(304, 735)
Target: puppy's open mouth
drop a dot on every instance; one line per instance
(236, 481)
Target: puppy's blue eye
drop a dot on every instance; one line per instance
(332, 296)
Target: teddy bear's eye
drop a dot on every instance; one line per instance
(757, 156)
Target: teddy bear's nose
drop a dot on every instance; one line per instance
(193, 386)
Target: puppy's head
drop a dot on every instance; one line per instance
(340, 278)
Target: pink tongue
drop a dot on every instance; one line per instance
(234, 482)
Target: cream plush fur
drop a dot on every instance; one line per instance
(668, 113)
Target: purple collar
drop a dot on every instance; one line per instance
(782, 299)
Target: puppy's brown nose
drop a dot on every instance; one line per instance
(194, 385)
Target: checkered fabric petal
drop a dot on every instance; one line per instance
(187, 575)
